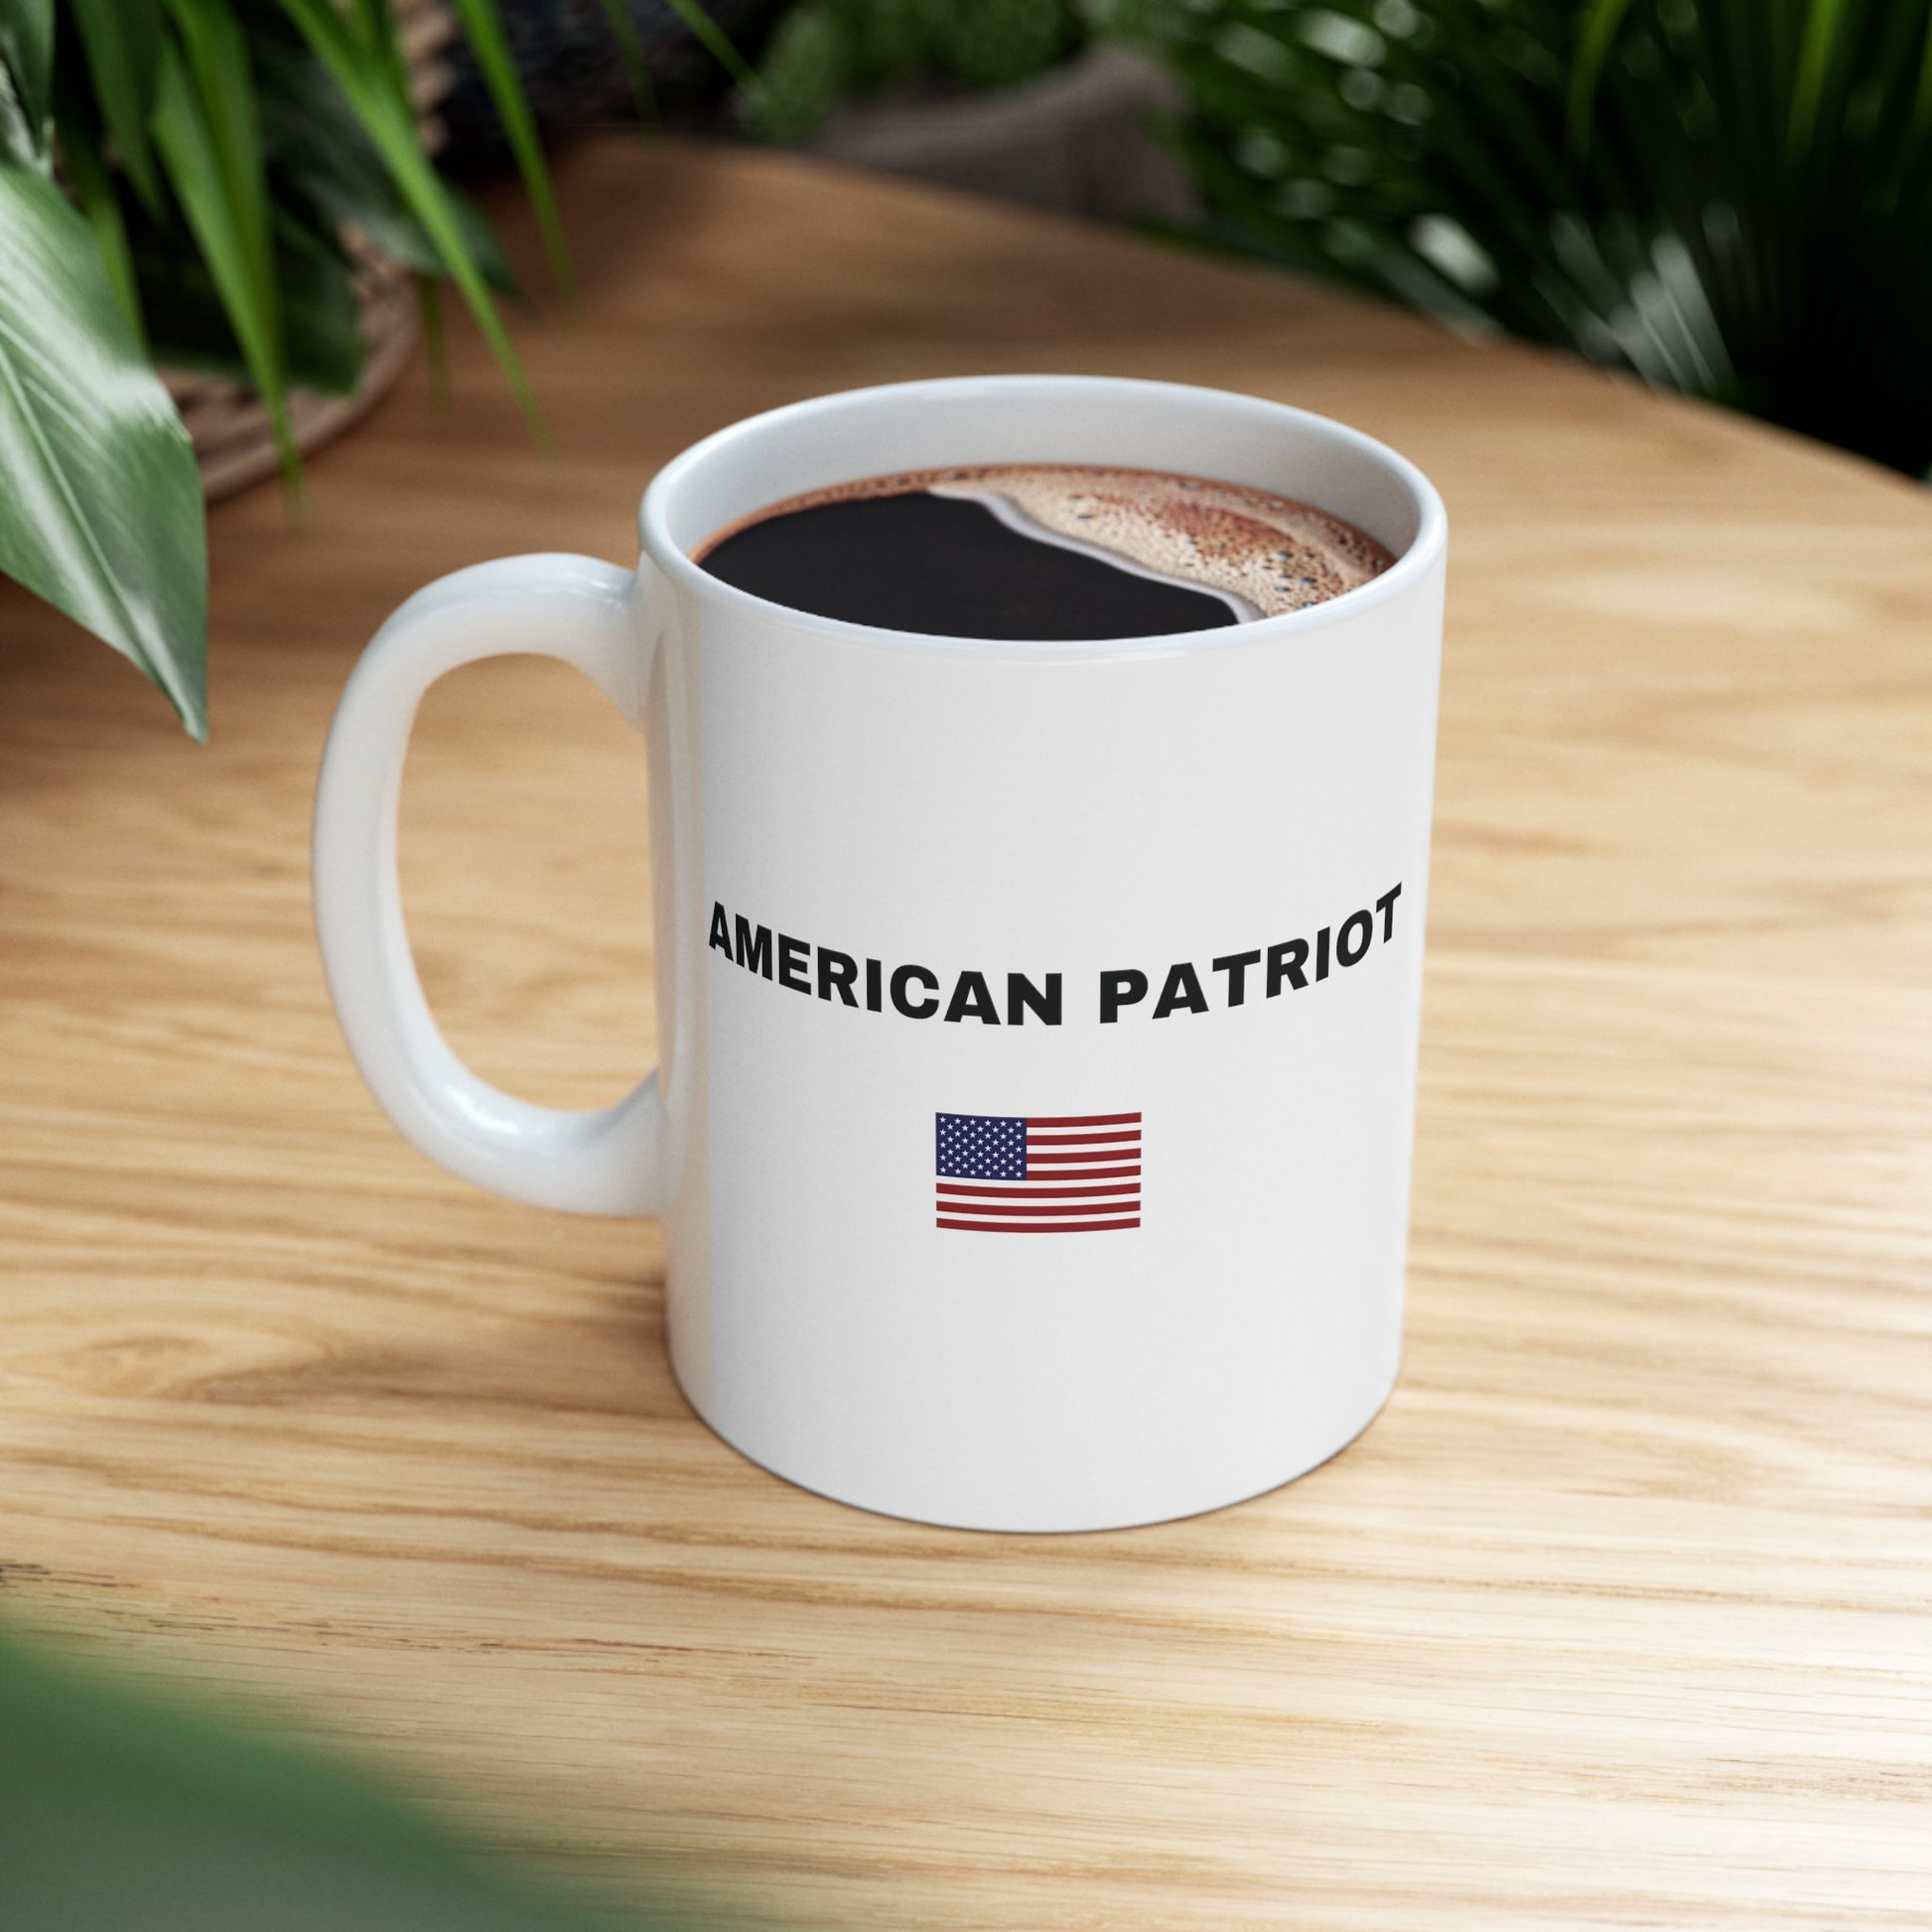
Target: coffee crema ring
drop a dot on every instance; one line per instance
(1267, 554)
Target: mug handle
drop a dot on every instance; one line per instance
(586, 612)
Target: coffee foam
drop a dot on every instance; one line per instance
(1265, 554)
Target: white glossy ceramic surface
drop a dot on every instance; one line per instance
(967, 807)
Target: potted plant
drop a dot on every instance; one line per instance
(1731, 199)
(213, 187)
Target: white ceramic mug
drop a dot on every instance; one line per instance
(1032, 1120)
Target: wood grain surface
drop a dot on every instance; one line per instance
(1619, 1616)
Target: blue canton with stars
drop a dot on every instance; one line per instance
(982, 1146)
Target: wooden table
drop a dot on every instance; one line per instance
(1617, 1617)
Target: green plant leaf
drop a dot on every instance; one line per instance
(807, 66)
(381, 34)
(17, 145)
(1823, 20)
(190, 329)
(316, 143)
(393, 131)
(485, 31)
(1602, 18)
(101, 506)
(1732, 197)
(122, 41)
(372, 205)
(716, 42)
(204, 136)
(94, 189)
(124, 1809)
(27, 52)
(631, 50)
(216, 49)
(319, 317)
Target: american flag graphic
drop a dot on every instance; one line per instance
(1039, 1174)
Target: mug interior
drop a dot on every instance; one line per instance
(1209, 433)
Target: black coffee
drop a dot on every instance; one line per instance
(1044, 552)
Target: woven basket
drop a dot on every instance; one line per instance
(225, 419)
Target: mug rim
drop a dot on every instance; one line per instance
(1417, 560)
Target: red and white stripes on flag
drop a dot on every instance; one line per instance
(1039, 1174)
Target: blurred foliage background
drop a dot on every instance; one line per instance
(123, 1809)
(186, 182)
(1730, 197)
(589, 63)
(1727, 198)
(825, 52)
